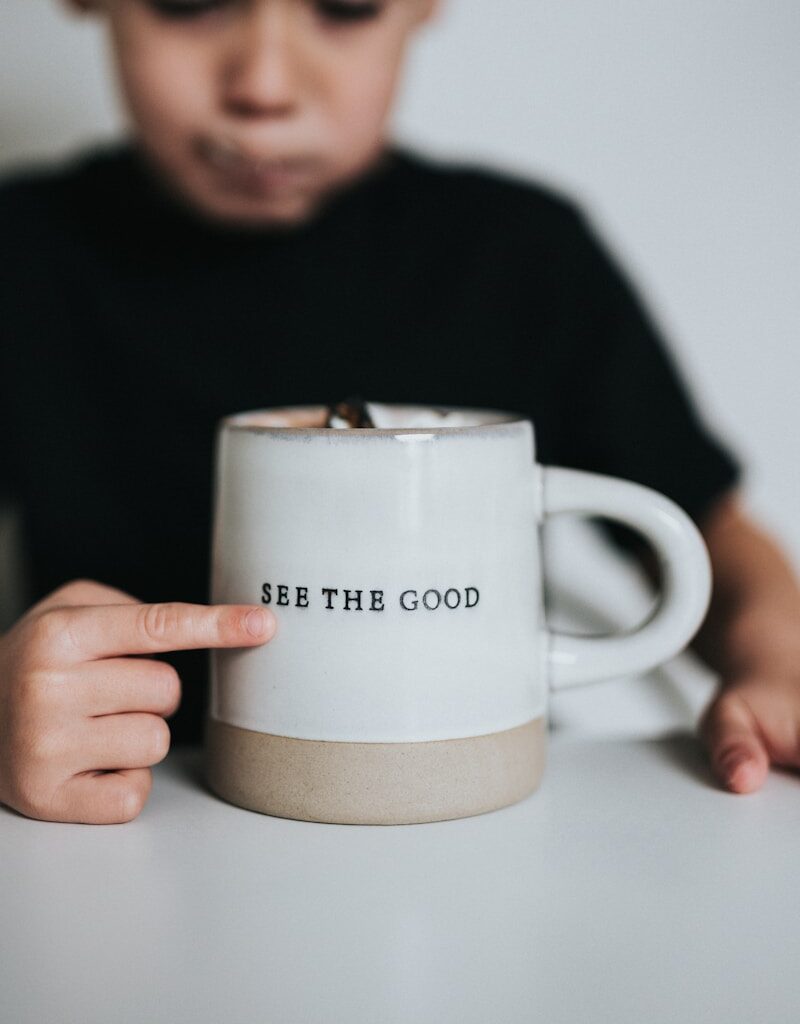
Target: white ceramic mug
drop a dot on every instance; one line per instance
(408, 678)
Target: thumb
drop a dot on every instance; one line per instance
(737, 753)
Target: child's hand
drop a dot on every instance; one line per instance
(80, 723)
(752, 723)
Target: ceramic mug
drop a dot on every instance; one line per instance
(408, 678)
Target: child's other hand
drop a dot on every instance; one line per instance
(80, 723)
(752, 723)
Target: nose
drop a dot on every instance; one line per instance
(261, 74)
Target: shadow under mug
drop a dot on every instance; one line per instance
(408, 678)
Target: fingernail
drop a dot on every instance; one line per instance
(732, 766)
(257, 622)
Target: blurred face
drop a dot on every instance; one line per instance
(254, 111)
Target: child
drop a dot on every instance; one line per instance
(259, 242)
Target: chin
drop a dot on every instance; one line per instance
(277, 216)
(282, 213)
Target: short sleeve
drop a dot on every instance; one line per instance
(635, 416)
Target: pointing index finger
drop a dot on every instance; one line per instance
(107, 631)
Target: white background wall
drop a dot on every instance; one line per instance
(675, 121)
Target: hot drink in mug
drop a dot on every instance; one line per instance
(409, 675)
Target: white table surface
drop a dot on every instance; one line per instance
(628, 888)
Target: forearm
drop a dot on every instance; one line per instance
(754, 618)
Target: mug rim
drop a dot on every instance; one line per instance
(501, 420)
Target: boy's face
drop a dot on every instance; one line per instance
(253, 111)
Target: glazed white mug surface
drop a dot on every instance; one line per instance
(408, 679)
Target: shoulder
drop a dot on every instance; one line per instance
(506, 227)
(490, 196)
(26, 198)
(40, 201)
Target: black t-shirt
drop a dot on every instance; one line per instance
(130, 326)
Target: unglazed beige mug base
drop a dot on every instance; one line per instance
(373, 783)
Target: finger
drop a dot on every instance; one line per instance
(105, 798)
(105, 631)
(117, 685)
(131, 740)
(78, 592)
(737, 753)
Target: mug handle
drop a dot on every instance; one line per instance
(685, 570)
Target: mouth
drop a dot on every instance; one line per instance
(239, 166)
